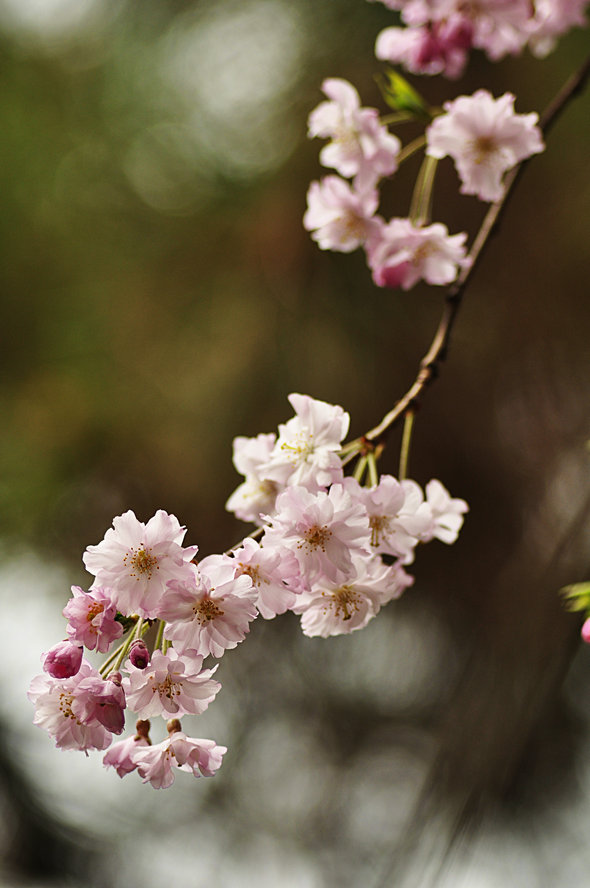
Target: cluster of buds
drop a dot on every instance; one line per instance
(485, 138)
(438, 34)
(329, 549)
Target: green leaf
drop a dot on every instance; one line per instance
(401, 96)
(577, 596)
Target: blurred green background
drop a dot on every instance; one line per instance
(159, 297)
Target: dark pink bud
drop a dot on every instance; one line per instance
(110, 709)
(139, 654)
(64, 659)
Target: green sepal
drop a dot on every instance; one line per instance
(401, 96)
(126, 622)
(577, 596)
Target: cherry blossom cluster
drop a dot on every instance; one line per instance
(341, 548)
(329, 549)
(484, 136)
(438, 34)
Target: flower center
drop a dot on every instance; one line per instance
(93, 611)
(141, 562)
(422, 252)
(299, 446)
(345, 602)
(206, 610)
(353, 225)
(167, 688)
(482, 148)
(252, 571)
(315, 537)
(379, 524)
(65, 706)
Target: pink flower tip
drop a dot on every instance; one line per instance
(586, 631)
(64, 659)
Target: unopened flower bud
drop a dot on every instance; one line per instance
(586, 631)
(63, 660)
(173, 725)
(142, 728)
(139, 655)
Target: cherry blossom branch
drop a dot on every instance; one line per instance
(437, 353)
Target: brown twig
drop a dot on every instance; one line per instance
(436, 354)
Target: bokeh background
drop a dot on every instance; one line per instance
(159, 297)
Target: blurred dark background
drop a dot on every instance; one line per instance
(159, 297)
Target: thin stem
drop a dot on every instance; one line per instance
(411, 148)
(253, 536)
(436, 354)
(422, 196)
(404, 457)
(160, 635)
(397, 117)
(113, 656)
(372, 466)
(360, 467)
(118, 656)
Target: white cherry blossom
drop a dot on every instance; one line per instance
(339, 217)
(338, 608)
(485, 137)
(447, 513)
(256, 495)
(360, 146)
(306, 451)
(136, 560)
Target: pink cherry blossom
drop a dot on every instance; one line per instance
(322, 530)
(174, 684)
(360, 146)
(211, 613)
(57, 711)
(63, 660)
(257, 494)
(307, 450)
(199, 757)
(496, 26)
(339, 217)
(441, 48)
(401, 253)
(136, 560)
(485, 138)
(91, 618)
(274, 574)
